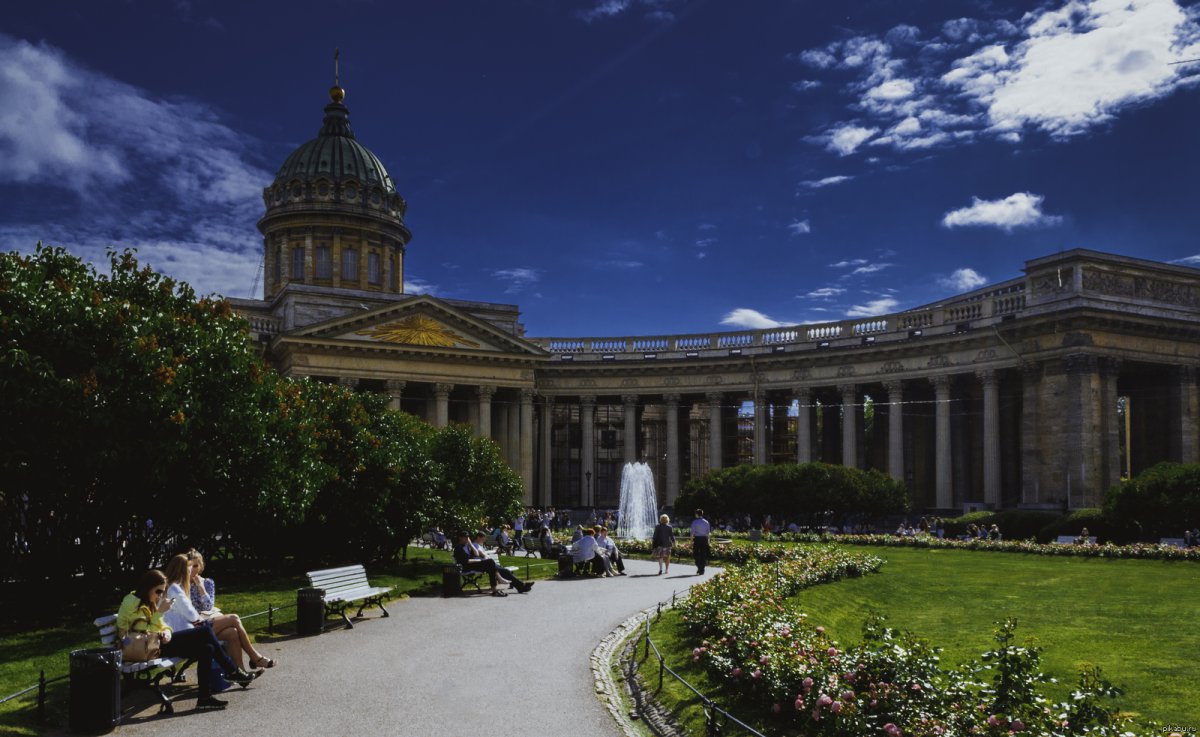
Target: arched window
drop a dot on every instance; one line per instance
(298, 263)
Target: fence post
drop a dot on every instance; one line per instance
(662, 665)
(646, 654)
(41, 706)
(270, 619)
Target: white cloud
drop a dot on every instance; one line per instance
(851, 262)
(706, 226)
(518, 278)
(875, 307)
(906, 127)
(963, 280)
(844, 140)
(869, 269)
(806, 84)
(826, 182)
(1022, 209)
(825, 293)
(1188, 260)
(799, 227)
(621, 264)
(417, 285)
(744, 317)
(705, 242)
(893, 89)
(605, 9)
(1062, 69)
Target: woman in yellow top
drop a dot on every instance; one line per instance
(142, 611)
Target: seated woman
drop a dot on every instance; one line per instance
(472, 558)
(142, 611)
(605, 543)
(227, 627)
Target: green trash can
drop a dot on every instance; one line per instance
(95, 690)
(310, 611)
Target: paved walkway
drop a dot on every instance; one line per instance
(470, 667)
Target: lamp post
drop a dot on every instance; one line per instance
(587, 502)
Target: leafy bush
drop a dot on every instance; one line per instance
(1014, 524)
(1164, 500)
(1102, 525)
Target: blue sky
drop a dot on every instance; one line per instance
(623, 166)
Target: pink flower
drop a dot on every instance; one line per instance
(836, 707)
(825, 700)
(993, 721)
(891, 729)
(736, 673)
(763, 660)
(695, 658)
(847, 695)
(799, 703)
(916, 687)
(820, 630)
(696, 651)
(833, 652)
(1018, 725)
(757, 674)
(808, 684)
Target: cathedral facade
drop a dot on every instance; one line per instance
(1041, 391)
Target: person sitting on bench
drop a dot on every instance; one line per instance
(470, 558)
(604, 542)
(587, 551)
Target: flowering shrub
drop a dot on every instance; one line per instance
(1141, 551)
(766, 650)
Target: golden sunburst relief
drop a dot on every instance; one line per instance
(417, 330)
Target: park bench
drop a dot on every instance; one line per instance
(1175, 542)
(147, 673)
(1070, 539)
(344, 586)
(474, 577)
(531, 545)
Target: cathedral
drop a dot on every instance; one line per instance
(1038, 392)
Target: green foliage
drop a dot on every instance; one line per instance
(813, 494)
(1103, 526)
(1164, 500)
(139, 420)
(1014, 524)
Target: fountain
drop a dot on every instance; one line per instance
(639, 502)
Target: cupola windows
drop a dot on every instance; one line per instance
(324, 263)
(374, 275)
(298, 263)
(349, 264)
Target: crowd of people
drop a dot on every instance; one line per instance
(174, 614)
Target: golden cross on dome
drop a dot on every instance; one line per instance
(336, 93)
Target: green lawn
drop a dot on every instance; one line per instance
(1138, 620)
(23, 652)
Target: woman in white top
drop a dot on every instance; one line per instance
(227, 627)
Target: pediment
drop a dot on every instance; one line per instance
(424, 323)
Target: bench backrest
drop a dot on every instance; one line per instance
(1070, 539)
(1176, 541)
(338, 580)
(108, 629)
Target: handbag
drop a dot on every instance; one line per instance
(140, 646)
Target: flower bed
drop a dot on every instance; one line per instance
(766, 651)
(1140, 551)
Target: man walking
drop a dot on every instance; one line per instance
(700, 530)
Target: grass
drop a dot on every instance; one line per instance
(1138, 620)
(28, 651)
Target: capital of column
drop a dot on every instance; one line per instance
(941, 382)
(350, 382)
(1080, 363)
(485, 391)
(672, 399)
(1111, 366)
(526, 396)
(588, 400)
(848, 391)
(1031, 371)
(394, 386)
(894, 389)
(629, 399)
(715, 398)
(1187, 374)
(803, 394)
(986, 376)
(442, 390)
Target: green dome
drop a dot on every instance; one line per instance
(335, 155)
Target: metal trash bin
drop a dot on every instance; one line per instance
(451, 581)
(310, 611)
(95, 690)
(566, 565)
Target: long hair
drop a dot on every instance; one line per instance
(150, 580)
(177, 572)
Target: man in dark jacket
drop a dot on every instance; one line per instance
(466, 555)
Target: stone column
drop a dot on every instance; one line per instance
(1031, 468)
(991, 438)
(513, 433)
(672, 402)
(587, 418)
(1110, 370)
(944, 485)
(526, 431)
(269, 284)
(1188, 409)
(484, 411)
(803, 397)
(629, 411)
(714, 429)
(394, 389)
(760, 427)
(895, 392)
(441, 404)
(849, 394)
(308, 257)
(335, 258)
(546, 492)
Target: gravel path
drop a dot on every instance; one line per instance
(477, 666)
